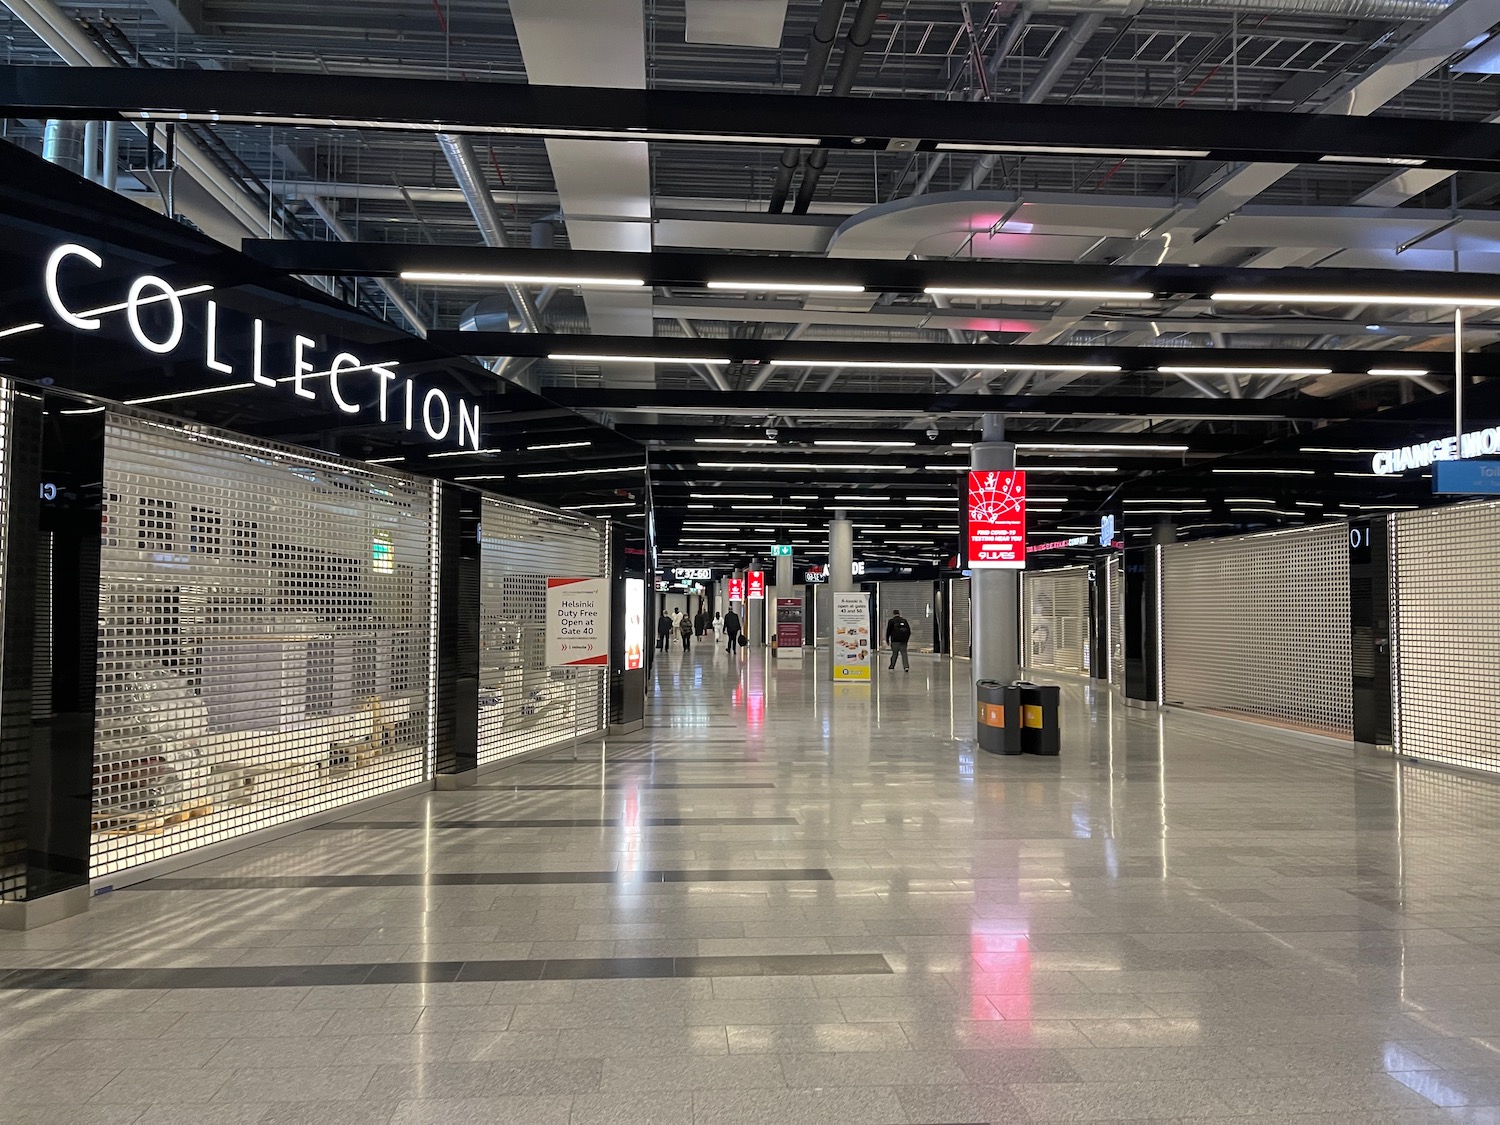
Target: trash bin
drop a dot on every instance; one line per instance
(999, 717)
(1041, 730)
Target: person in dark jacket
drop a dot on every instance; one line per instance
(700, 623)
(897, 634)
(732, 629)
(663, 632)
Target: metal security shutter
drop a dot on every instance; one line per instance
(1057, 619)
(823, 603)
(524, 706)
(14, 752)
(1259, 625)
(961, 625)
(914, 600)
(264, 638)
(1116, 609)
(1446, 589)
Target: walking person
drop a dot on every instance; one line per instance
(663, 632)
(897, 634)
(685, 627)
(732, 630)
(718, 627)
(700, 623)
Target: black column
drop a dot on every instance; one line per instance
(1141, 639)
(457, 715)
(49, 665)
(1370, 629)
(1099, 621)
(627, 687)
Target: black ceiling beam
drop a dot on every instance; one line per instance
(1020, 356)
(675, 269)
(812, 403)
(858, 124)
(681, 436)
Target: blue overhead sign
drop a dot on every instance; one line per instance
(1474, 478)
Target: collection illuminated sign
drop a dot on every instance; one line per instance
(755, 585)
(736, 589)
(997, 519)
(1478, 443)
(397, 401)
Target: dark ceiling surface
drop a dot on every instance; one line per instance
(1341, 149)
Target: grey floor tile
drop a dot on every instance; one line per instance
(846, 1106)
(484, 1111)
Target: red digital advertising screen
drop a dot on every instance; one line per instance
(757, 584)
(736, 590)
(997, 520)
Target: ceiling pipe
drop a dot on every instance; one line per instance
(860, 33)
(763, 376)
(1347, 9)
(1077, 38)
(818, 49)
(1207, 390)
(387, 286)
(465, 168)
(1008, 41)
(708, 372)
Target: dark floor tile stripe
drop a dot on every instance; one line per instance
(638, 785)
(581, 822)
(436, 972)
(486, 878)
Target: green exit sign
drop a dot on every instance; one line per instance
(782, 549)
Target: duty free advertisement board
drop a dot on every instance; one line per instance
(577, 622)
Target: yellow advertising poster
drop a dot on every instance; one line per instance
(851, 638)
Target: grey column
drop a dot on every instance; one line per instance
(755, 612)
(841, 554)
(995, 604)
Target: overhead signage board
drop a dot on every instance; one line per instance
(996, 503)
(635, 624)
(578, 622)
(736, 589)
(816, 574)
(851, 637)
(692, 574)
(1468, 478)
(1476, 443)
(157, 320)
(782, 550)
(755, 582)
(1107, 531)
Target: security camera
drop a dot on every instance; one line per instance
(932, 433)
(771, 432)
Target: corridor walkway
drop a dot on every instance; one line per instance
(788, 901)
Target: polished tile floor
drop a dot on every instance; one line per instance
(795, 902)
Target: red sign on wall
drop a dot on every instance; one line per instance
(756, 580)
(997, 520)
(736, 589)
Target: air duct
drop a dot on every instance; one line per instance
(860, 33)
(818, 49)
(465, 167)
